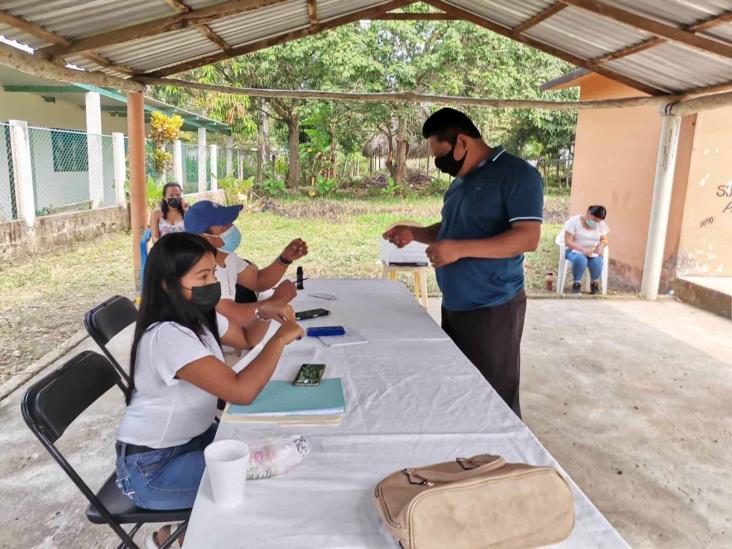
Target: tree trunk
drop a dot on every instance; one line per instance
(262, 145)
(293, 152)
(333, 156)
(401, 156)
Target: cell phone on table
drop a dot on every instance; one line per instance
(311, 313)
(309, 375)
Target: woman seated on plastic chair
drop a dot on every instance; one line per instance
(177, 373)
(585, 237)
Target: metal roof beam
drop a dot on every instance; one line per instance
(630, 50)
(538, 18)
(205, 30)
(158, 26)
(556, 52)
(399, 16)
(652, 26)
(365, 13)
(711, 22)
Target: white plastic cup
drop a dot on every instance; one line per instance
(227, 462)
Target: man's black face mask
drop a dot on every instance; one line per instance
(447, 163)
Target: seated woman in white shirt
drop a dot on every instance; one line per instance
(177, 373)
(585, 237)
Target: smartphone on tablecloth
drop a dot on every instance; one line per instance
(309, 375)
(311, 313)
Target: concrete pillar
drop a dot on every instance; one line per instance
(214, 152)
(668, 146)
(136, 149)
(22, 172)
(178, 162)
(94, 148)
(229, 156)
(202, 175)
(120, 168)
(240, 164)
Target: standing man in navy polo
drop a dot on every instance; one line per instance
(492, 214)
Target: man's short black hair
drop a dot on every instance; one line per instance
(447, 123)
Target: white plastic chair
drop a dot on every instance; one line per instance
(393, 260)
(564, 264)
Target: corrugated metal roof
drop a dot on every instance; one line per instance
(667, 67)
(258, 24)
(675, 68)
(506, 14)
(584, 34)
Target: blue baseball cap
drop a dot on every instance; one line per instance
(203, 215)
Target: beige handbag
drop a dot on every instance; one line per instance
(477, 502)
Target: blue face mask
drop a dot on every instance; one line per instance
(231, 238)
(591, 224)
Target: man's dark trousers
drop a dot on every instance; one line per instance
(491, 339)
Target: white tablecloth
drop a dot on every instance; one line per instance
(412, 399)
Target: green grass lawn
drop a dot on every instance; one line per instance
(42, 300)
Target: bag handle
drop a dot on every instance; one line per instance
(474, 466)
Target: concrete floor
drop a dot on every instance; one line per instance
(633, 398)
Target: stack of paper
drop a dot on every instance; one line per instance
(282, 402)
(349, 338)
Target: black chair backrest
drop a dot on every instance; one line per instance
(53, 403)
(106, 320)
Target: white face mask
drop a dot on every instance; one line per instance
(590, 223)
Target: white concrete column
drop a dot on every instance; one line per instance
(240, 164)
(94, 148)
(22, 171)
(202, 175)
(229, 156)
(214, 152)
(178, 162)
(663, 183)
(120, 167)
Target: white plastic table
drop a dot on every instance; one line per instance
(412, 399)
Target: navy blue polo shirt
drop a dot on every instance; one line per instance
(501, 190)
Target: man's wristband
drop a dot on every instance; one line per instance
(284, 261)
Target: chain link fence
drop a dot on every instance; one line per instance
(65, 164)
(60, 164)
(8, 208)
(190, 168)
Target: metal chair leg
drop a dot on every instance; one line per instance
(175, 535)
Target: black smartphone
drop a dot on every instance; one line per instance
(309, 375)
(312, 313)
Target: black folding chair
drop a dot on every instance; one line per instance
(106, 320)
(52, 404)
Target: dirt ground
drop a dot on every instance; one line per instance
(631, 397)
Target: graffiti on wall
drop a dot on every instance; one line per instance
(725, 193)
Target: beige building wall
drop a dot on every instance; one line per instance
(615, 164)
(706, 239)
(34, 110)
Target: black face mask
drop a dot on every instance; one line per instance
(173, 202)
(206, 297)
(447, 163)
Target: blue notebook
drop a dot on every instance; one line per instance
(282, 398)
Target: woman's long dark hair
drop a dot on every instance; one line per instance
(598, 211)
(164, 207)
(162, 296)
